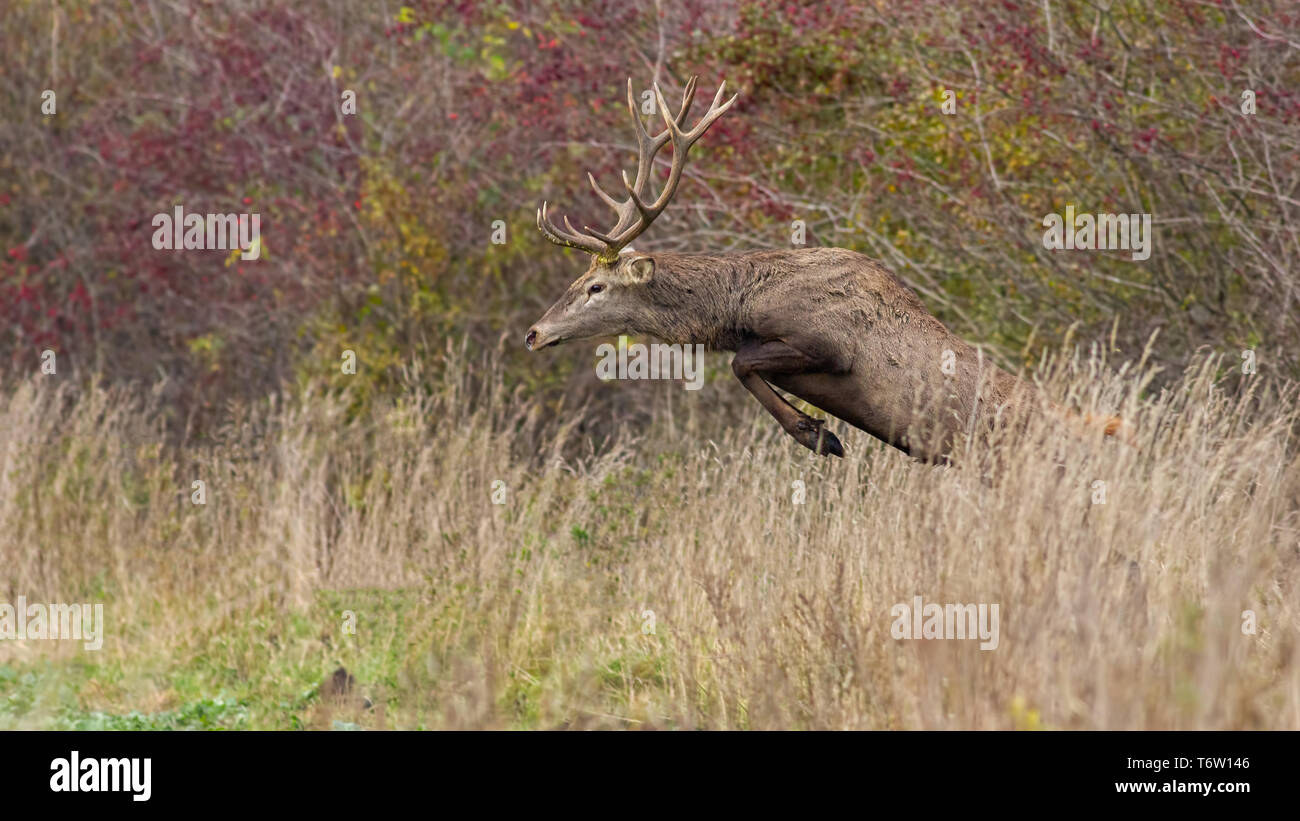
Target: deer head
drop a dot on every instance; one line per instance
(609, 297)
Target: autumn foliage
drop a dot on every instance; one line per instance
(499, 523)
(377, 225)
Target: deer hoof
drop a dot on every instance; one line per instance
(830, 445)
(810, 434)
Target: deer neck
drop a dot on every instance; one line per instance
(695, 299)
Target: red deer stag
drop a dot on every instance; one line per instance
(828, 325)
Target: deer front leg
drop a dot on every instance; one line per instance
(753, 360)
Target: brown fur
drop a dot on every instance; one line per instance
(828, 325)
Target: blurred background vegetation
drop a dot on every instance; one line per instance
(376, 227)
(373, 493)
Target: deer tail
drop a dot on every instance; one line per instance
(1111, 426)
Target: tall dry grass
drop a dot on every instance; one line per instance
(766, 613)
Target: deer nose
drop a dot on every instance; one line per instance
(530, 339)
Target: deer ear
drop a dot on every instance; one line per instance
(640, 270)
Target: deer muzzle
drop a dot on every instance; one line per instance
(538, 339)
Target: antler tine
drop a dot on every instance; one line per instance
(681, 146)
(572, 239)
(633, 215)
(715, 111)
(682, 143)
(605, 238)
(688, 97)
(629, 214)
(600, 192)
(688, 138)
(646, 146)
(635, 198)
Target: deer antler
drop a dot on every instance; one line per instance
(634, 213)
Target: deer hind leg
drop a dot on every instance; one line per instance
(754, 360)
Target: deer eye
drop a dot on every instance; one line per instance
(595, 289)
